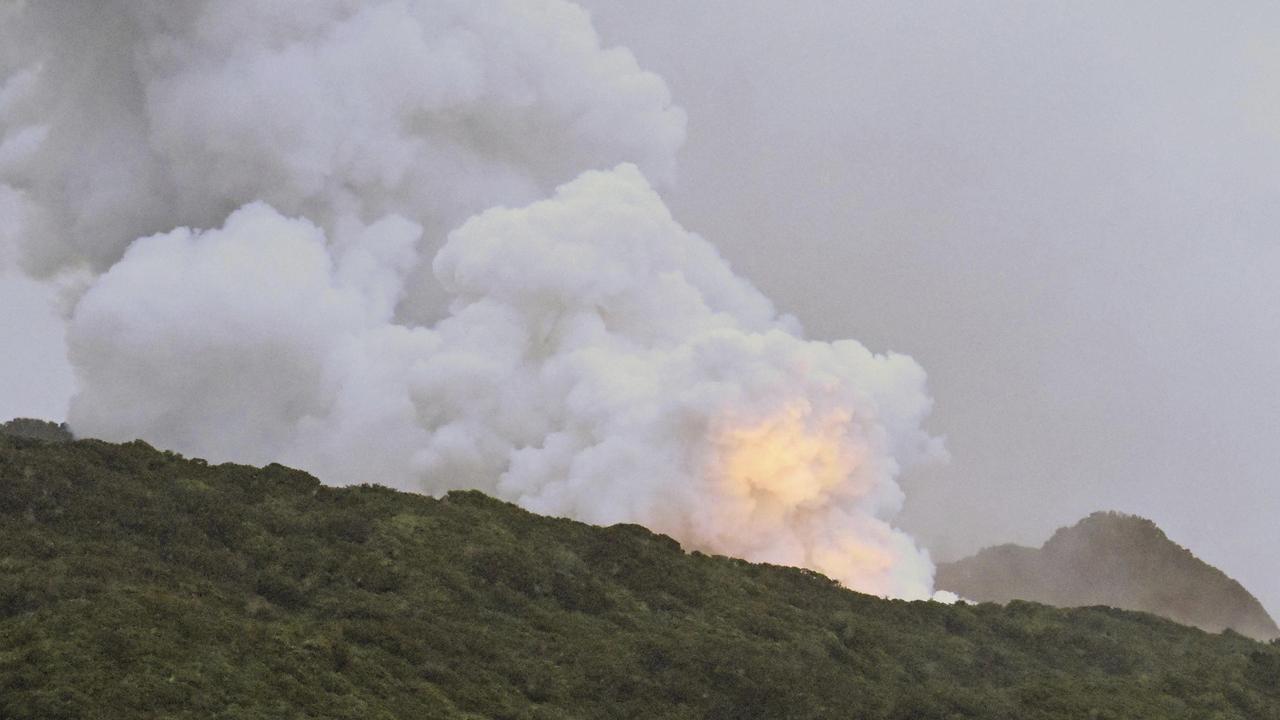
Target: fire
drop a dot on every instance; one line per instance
(794, 490)
(787, 460)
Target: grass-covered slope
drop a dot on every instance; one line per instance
(1118, 560)
(136, 584)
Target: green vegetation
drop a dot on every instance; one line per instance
(1118, 560)
(136, 584)
(36, 430)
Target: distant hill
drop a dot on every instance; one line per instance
(135, 583)
(37, 430)
(1112, 559)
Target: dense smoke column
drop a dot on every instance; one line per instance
(353, 308)
(126, 118)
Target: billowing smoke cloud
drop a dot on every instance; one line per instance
(595, 359)
(127, 118)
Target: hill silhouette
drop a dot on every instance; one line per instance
(33, 429)
(1112, 559)
(136, 583)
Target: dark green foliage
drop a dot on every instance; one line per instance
(135, 584)
(1112, 559)
(37, 430)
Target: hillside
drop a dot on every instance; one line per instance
(36, 430)
(1117, 560)
(135, 583)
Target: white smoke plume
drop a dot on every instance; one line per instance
(126, 118)
(595, 359)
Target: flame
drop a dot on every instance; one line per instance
(785, 460)
(795, 489)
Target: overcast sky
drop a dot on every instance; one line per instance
(35, 380)
(1066, 212)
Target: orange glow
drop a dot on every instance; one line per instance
(788, 460)
(793, 491)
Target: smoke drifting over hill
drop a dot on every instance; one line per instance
(416, 243)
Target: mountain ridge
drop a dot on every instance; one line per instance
(136, 583)
(1116, 559)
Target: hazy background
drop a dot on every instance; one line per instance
(35, 379)
(1065, 212)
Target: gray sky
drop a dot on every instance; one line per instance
(35, 380)
(1065, 212)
